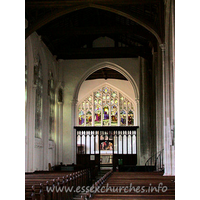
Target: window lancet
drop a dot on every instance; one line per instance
(51, 93)
(106, 107)
(38, 81)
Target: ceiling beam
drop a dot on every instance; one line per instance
(140, 34)
(104, 52)
(100, 30)
(67, 3)
(53, 15)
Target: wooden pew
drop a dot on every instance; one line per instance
(36, 183)
(148, 180)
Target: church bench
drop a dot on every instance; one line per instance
(149, 180)
(40, 181)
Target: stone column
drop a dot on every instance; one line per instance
(31, 129)
(73, 138)
(166, 117)
(138, 130)
(30, 114)
(168, 91)
(159, 97)
(145, 126)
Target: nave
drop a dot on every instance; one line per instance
(138, 185)
(109, 185)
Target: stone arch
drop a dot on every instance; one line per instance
(57, 14)
(84, 77)
(111, 66)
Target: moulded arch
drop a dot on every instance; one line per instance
(111, 66)
(57, 14)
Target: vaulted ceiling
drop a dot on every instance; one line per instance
(69, 27)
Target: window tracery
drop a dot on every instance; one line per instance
(106, 107)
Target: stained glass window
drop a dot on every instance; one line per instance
(114, 94)
(106, 116)
(130, 118)
(98, 95)
(51, 93)
(39, 98)
(123, 118)
(97, 116)
(114, 116)
(81, 118)
(106, 103)
(89, 118)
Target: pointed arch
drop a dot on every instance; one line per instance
(56, 14)
(111, 66)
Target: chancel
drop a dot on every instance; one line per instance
(99, 96)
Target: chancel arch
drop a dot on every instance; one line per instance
(107, 118)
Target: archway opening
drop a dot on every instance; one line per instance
(106, 128)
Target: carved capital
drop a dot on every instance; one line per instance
(51, 144)
(137, 100)
(162, 46)
(74, 101)
(38, 143)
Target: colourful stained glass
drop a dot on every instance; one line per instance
(88, 118)
(81, 118)
(114, 115)
(123, 118)
(97, 120)
(130, 118)
(114, 94)
(108, 108)
(98, 95)
(105, 90)
(106, 115)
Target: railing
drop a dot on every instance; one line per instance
(155, 162)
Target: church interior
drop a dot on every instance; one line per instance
(99, 96)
